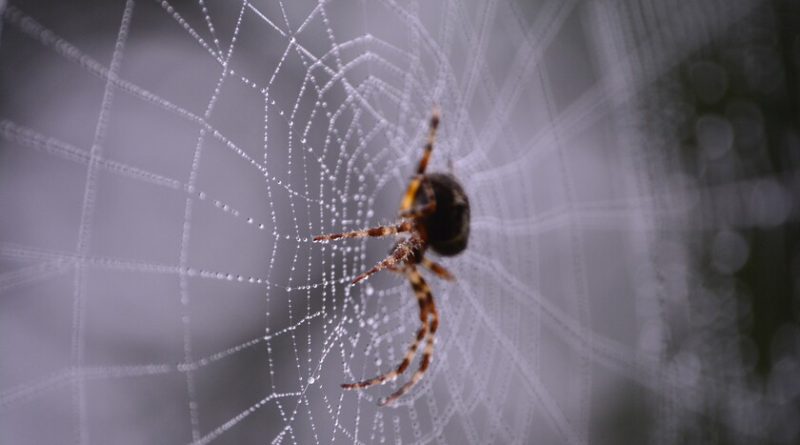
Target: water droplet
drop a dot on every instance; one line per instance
(729, 251)
(714, 135)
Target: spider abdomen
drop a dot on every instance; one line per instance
(448, 226)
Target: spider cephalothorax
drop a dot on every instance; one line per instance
(434, 214)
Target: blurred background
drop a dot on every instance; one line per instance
(633, 266)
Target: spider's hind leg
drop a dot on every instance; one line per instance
(425, 306)
(438, 269)
(430, 318)
(401, 368)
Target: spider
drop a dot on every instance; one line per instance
(434, 213)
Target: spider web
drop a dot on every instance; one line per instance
(166, 164)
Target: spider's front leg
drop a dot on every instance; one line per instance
(432, 127)
(402, 252)
(375, 232)
(413, 186)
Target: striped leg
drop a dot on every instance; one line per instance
(399, 255)
(426, 155)
(375, 232)
(412, 351)
(423, 292)
(426, 209)
(438, 269)
(414, 185)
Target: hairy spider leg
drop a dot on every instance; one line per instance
(414, 185)
(428, 308)
(410, 353)
(402, 251)
(438, 269)
(433, 266)
(375, 232)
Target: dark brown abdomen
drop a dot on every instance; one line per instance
(448, 226)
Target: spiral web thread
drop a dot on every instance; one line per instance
(526, 348)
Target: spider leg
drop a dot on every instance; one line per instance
(427, 307)
(376, 232)
(438, 269)
(414, 185)
(395, 269)
(434, 125)
(412, 351)
(399, 255)
(430, 205)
